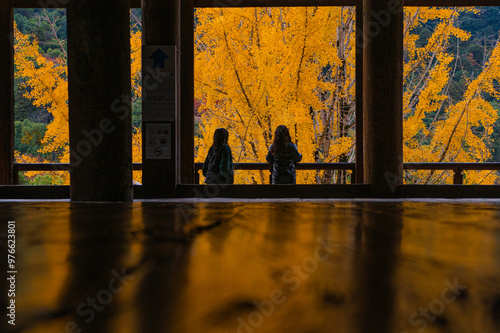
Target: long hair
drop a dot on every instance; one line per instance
(281, 139)
(220, 137)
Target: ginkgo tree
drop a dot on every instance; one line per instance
(257, 68)
(46, 84)
(459, 130)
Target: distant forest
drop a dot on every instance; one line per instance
(49, 27)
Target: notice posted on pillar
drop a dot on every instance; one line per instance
(11, 272)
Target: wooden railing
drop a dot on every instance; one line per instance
(457, 168)
(298, 166)
(18, 167)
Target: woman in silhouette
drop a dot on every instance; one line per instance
(218, 166)
(282, 156)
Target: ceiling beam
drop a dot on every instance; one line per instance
(270, 3)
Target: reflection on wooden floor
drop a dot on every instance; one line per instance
(330, 266)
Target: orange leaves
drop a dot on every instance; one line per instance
(436, 128)
(46, 84)
(136, 60)
(54, 177)
(257, 68)
(137, 152)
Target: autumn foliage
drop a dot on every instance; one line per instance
(46, 85)
(257, 68)
(459, 130)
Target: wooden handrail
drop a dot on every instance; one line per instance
(53, 167)
(457, 168)
(451, 166)
(298, 166)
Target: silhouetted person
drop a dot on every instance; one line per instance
(283, 155)
(218, 166)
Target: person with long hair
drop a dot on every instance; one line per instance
(282, 156)
(218, 166)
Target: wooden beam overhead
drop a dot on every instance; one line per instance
(270, 3)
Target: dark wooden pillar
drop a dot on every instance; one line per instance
(383, 94)
(161, 20)
(187, 93)
(6, 92)
(100, 120)
(359, 93)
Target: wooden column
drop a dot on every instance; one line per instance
(383, 94)
(161, 19)
(359, 92)
(99, 85)
(187, 93)
(6, 92)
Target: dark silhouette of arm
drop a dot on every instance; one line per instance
(296, 156)
(226, 169)
(269, 157)
(205, 164)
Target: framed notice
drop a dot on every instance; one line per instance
(158, 141)
(159, 81)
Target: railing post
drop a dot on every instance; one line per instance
(457, 176)
(15, 175)
(197, 176)
(353, 176)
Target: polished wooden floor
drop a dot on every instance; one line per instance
(255, 266)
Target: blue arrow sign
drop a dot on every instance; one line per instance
(159, 58)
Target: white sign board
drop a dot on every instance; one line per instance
(158, 141)
(158, 82)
